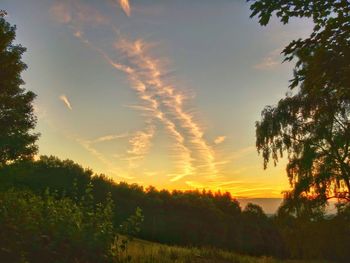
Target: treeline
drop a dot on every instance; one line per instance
(191, 218)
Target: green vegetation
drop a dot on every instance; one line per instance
(148, 252)
(184, 218)
(80, 200)
(49, 229)
(189, 218)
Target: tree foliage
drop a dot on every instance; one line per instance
(312, 123)
(16, 110)
(49, 228)
(188, 218)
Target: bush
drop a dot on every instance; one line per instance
(47, 229)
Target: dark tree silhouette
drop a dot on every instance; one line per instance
(312, 123)
(254, 210)
(16, 110)
(191, 218)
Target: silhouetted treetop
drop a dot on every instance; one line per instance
(16, 109)
(322, 12)
(312, 123)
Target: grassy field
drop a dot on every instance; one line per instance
(140, 251)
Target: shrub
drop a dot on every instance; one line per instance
(44, 228)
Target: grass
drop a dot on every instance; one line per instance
(140, 251)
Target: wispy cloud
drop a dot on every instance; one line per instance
(66, 101)
(168, 105)
(219, 139)
(238, 188)
(271, 61)
(242, 152)
(214, 185)
(77, 13)
(88, 146)
(61, 11)
(89, 15)
(110, 137)
(140, 144)
(125, 5)
(161, 101)
(110, 166)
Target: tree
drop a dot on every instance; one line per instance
(254, 210)
(312, 123)
(16, 110)
(302, 208)
(2, 13)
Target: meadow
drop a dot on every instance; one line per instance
(149, 252)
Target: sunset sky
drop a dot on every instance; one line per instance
(156, 92)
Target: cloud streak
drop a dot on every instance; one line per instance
(168, 105)
(88, 146)
(140, 144)
(66, 101)
(76, 13)
(61, 11)
(271, 61)
(164, 103)
(161, 101)
(110, 137)
(125, 5)
(219, 140)
(193, 161)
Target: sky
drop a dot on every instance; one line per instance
(156, 92)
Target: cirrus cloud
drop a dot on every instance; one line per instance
(66, 101)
